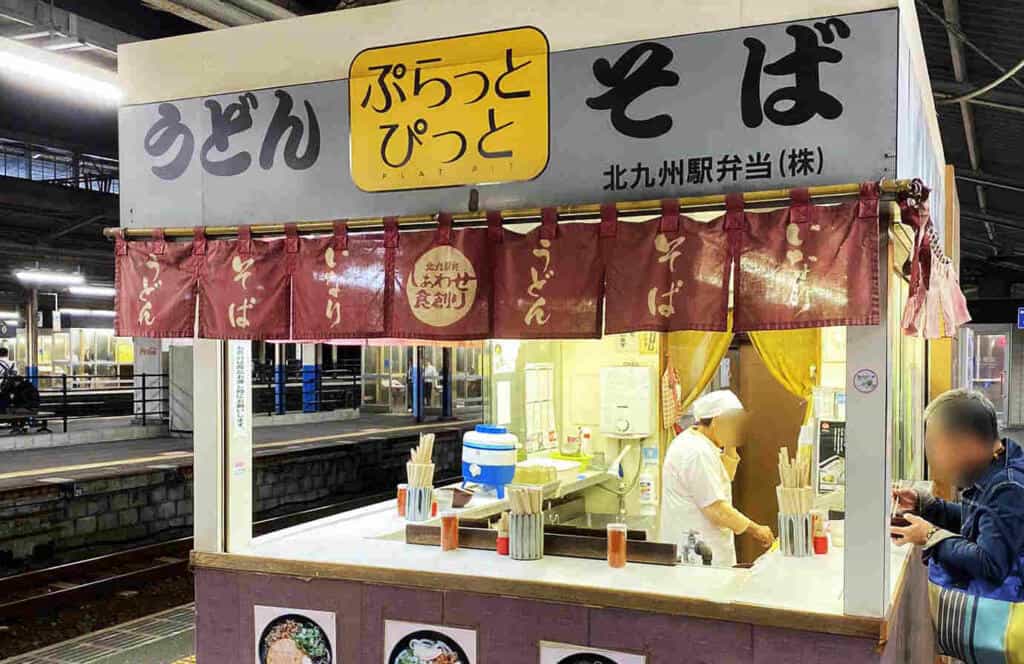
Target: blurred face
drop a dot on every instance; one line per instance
(727, 429)
(955, 457)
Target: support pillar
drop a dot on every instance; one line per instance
(447, 383)
(866, 559)
(32, 337)
(208, 445)
(310, 377)
(416, 373)
(222, 446)
(280, 379)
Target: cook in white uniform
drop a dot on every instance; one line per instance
(697, 480)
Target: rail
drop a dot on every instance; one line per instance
(47, 590)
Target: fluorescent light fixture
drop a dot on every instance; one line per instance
(93, 291)
(37, 66)
(47, 278)
(13, 322)
(10, 315)
(99, 313)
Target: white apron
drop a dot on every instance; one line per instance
(694, 477)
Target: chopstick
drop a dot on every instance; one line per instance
(525, 500)
(794, 491)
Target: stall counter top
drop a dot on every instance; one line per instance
(366, 545)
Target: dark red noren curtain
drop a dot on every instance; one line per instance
(809, 265)
(667, 274)
(338, 287)
(548, 283)
(244, 290)
(442, 285)
(156, 286)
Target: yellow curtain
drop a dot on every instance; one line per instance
(792, 357)
(696, 356)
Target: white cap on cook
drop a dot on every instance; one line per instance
(716, 403)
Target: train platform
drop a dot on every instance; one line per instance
(27, 468)
(161, 638)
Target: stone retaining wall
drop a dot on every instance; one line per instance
(55, 519)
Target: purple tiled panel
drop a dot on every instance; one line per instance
(509, 629)
(382, 603)
(672, 639)
(782, 646)
(219, 631)
(342, 598)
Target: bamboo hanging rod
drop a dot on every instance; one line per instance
(627, 208)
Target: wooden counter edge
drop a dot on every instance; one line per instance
(855, 626)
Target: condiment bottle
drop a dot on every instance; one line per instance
(403, 491)
(617, 544)
(449, 531)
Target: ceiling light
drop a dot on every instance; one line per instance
(10, 314)
(47, 278)
(100, 313)
(25, 64)
(13, 322)
(93, 291)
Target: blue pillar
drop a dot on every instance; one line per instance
(310, 378)
(32, 373)
(279, 388)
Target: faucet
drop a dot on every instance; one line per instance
(695, 550)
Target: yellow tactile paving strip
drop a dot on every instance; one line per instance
(187, 660)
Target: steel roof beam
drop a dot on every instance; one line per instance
(951, 8)
(36, 15)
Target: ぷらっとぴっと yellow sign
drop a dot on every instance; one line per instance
(462, 110)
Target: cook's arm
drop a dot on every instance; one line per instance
(731, 460)
(724, 515)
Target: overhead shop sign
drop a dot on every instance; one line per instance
(418, 127)
(452, 111)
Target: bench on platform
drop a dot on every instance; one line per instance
(23, 420)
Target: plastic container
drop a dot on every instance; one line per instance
(449, 531)
(489, 457)
(616, 545)
(418, 502)
(501, 545)
(526, 536)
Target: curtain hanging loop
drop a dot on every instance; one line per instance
(669, 216)
(609, 220)
(494, 229)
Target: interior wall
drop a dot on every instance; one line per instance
(775, 422)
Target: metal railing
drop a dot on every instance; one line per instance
(290, 388)
(82, 397)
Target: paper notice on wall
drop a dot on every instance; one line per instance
(560, 653)
(503, 397)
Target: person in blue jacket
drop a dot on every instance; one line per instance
(978, 542)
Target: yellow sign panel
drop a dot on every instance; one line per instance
(456, 111)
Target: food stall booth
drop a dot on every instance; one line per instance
(627, 215)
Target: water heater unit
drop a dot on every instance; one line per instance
(627, 401)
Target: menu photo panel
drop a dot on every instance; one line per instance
(294, 636)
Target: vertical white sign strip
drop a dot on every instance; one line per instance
(239, 446)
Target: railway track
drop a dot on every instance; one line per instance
(53, 588)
